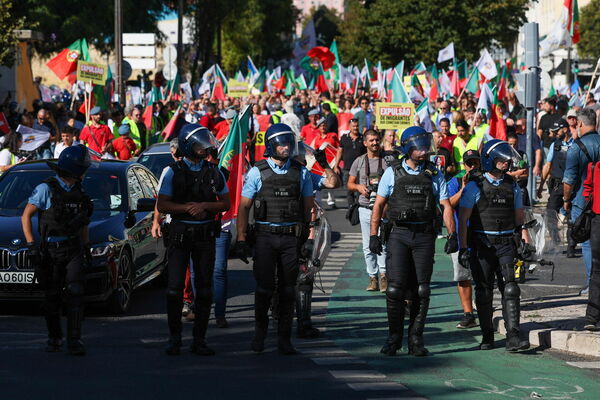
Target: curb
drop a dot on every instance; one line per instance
(578, 342)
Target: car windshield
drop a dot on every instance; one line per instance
(156, 162)
(104, 189)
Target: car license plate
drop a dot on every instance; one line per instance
(16, 277)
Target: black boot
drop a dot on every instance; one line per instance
(570, 244)
(173, 345)
(174, 308)
(513, 315)
(52, 316)
(287, 296)
(303, 310)
(485, 313)
(54, 345)
(421, 306)
(396, 307)
(202, 309)
(262, 302)
(74, 321)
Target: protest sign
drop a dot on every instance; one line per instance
(90, 72)
(236, 88)
(394, 115)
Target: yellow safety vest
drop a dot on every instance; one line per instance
(333, 106)
(134, 133)
(459, 147)
(481, 130)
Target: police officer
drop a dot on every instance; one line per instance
(491, 208)
(281, 191)
(304, 288)
(411, 188)
(194, 192)
(64, 212)
(555, 168)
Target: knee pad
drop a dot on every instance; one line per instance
(484, 294)
(264, 292)
(395, 293)
(204, 294)
(75, 289)
(288, 292)
(512, 290)
(175, 292)
(424, 290)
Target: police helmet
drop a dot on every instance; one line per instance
(72, 162)
(194, 136)
(497, 150)
(415, 138)
(280, 135)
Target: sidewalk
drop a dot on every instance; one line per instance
(552, 311)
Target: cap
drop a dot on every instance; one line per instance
(561, 123)
(95, 110)
(313, 112)
(572, 113)
(354, 119)
(471, 155)
(230, 114)
(320, 121)
(289, 106)
(124, 129)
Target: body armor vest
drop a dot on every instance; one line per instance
(412, 199)
(560, 159)
(69, 211)
(196, 186)
(279, 198)
(495, 210)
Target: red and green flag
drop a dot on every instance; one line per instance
(573, 20)
(472, 85)
(497, 123)
(65, 62)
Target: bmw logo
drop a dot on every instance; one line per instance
(16, 242)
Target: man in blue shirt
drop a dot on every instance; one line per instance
(194, 192)
(491, 209)
(412, 188)
(576, 172)
(281, 191)
(64, 212)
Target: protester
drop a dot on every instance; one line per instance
(310, 130)
(9, 155)
(591, 191)
(351, 147)
(291, 119)
(330, 119)
(547, 121)
(222, 127)
(42, 123)
(67, 136)
(366, 118)
(463, 142)
(124, 146)
(96, 135)
(444, 112)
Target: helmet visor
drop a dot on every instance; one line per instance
(504, 152)
(421, 142)
(283, 145)
(202, 139)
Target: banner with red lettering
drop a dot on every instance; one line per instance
(394, 115)
(259, 146)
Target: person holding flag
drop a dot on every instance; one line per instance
(95, 134)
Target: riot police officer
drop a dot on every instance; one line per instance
(491, 211)
(411, 188)
(194, 192)
(64, 212)
(281, 191)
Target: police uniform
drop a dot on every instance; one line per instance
(278, 193)
(413, 195)
(64, 211)
(186, 181)
(491, 226)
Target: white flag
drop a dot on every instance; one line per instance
(559, 36)
(445, 85)
(307, 41)
(207, 79)
(447, 53)
(485, 99)
(486, 65)
(32, 138)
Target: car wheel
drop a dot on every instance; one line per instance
(121, 297)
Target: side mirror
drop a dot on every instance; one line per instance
(145, 205)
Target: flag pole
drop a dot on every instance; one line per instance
(463, 90)
(591, 82)
(85, 102)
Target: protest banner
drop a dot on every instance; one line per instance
(32, 138)
(259, 145)
(394, 115)
(93, 73)
(236, 88)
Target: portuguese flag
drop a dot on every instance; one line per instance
(66, 61)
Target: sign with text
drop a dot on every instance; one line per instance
(91, 72)
(394, 115)
(237, 89)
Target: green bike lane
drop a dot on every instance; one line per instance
(357, 322)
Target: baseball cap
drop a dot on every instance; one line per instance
(95, 110)
(561, 123)
(320, 121)
(230, 114)
(124, 129)
(572, 113)
(471, 155)
(314, 112)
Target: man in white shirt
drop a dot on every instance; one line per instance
(67, 136)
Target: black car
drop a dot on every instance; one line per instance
(125, 256)
(156, 158)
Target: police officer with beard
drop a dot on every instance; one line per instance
(281, 191)
(64, 214)
(194, 192)
(411, 188)
(491, 212)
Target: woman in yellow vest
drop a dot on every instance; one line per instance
(464, 141)
(480, 126)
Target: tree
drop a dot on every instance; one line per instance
(8, 25)
(326, 24)
(589, 45)
(393, 30)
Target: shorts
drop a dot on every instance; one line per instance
(460, 273)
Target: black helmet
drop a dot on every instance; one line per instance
(195, 135)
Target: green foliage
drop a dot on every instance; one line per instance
(327, 24)
(392, 30)
(589, 45)
(8, 24)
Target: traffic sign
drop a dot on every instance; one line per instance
(170, 71)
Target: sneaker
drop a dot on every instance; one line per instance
(221, 322)
(373, 284)
(590, 325)
(467, 322)
(585, 291)
(383, 283)
(187, 307)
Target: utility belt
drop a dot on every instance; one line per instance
(426, 227)
(494, 240)
(182, 234)
(295, 230)
(67, 243)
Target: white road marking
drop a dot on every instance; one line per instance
(358, 374)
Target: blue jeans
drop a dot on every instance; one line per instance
(220, 273)
(586, 249)
(375, 263)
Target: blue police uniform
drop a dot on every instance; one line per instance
(41, 197)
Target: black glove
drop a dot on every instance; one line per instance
(307, 249)
(464, 258)
(451, 244)
(321, 158)
(34, 255)
(375, 245)
(87, 255)
(242, 250)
